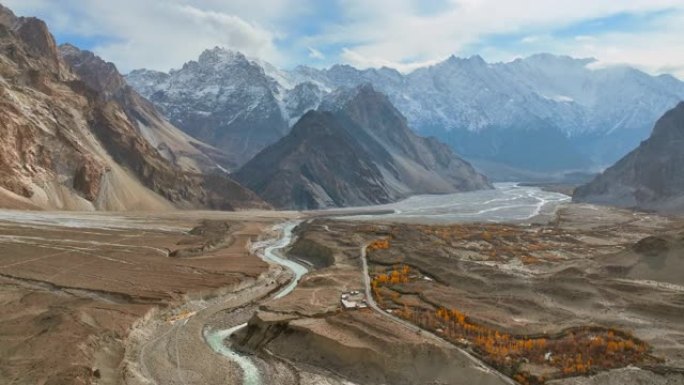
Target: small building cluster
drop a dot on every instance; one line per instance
(354, 299)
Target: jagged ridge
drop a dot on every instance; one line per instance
(355, 150)
(544, 113)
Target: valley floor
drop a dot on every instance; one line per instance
(130, 298)
(74, 285)
(539, 300)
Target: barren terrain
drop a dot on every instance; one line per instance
(72, 286)
(593, 290)
(592, 296)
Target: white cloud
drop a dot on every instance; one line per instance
(655, 53)
(315, 54)
(360, 61)
(531, 39)
(164, 34)
(400, 36)
(658, 50)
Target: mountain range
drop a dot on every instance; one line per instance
(543, 114)
(75, 136)
(650, 177)
(241, 133)
(355, 149)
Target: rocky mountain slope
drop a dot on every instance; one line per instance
(74, 136)
(356, 149)
(172, 143)
(222, 99)
(544, 113)
(651, 177)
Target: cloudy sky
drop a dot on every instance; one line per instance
(404, 34)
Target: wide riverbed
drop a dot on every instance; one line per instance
(508, 202)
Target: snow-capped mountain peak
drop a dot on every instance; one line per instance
(595, 113)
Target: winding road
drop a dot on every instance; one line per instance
(373, 305)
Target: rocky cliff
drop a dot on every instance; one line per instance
(172, 143)
(651, 177)
(71, 136)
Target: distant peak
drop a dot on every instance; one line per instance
(341, 68)
(476, 60)
(69, 46)
(69, 49)
(221, 55)
(363, 94)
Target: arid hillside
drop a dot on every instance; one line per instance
(80, 284)
(80, 139)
